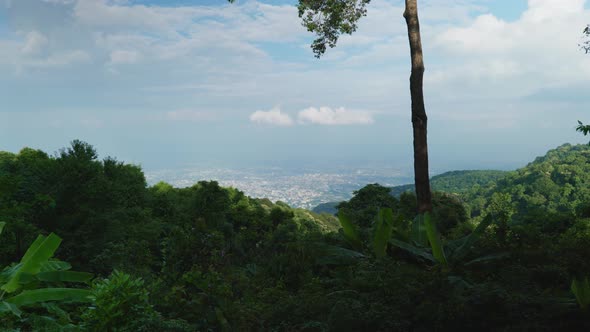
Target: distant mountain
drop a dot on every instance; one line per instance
(457, 182)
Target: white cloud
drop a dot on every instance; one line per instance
(60, 59)
(34, 43)
(509, 59)
(273, 117)
(124, 57)
(334, 117)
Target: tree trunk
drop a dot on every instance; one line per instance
(419, 119)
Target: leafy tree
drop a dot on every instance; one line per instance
(501, 209)
(366, 202)
(119, 303)
(584, 129)
(329, 19)
(586, 43)
(210, 258)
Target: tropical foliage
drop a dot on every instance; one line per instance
(208, 258)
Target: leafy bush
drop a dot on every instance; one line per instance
(120, 303)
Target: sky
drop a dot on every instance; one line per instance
(166, 84)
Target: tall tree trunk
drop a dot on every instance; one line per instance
(419, 119)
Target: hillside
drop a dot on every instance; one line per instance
(209, 258)
(553, 185)
(456, 182)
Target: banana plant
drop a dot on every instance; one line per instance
(386, 224)
(581, 290)
(28, 282)
(451, 253)
(423, 240)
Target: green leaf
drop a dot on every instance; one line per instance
(39, 252)
(350, 232)
(581, 290)
(434, 239)
(420, 252)
(50, 294)
(472, 238)
(488, 258)
(333, 255)
(383, 230)
(2, 224)
(9, 307)
(418, 232)
(55, 265)
(33, 247)
(222, 320)
(56, 276)
(8, 272)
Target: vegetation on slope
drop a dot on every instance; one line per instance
(455, 182)
(208, 258)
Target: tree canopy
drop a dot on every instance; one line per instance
(586, 42)
(207, 257)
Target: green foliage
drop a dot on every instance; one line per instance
(119, 303)
(456, 182)
(584, 129)
(453, 251)
(329, 19)
(586, 39)
(467, 242)
(20, 282)
(33, 291)
(366, 203)
(383, 231)
(208, 258)
(349, 230)
(419, 235)
(553, 187)
(434, 239)
(581, 290)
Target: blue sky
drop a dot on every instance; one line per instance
(170, 83)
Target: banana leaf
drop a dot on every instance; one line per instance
(418, 232)
(50, 294)
(349, 230)
(420, 252)
(462, 251)
(9, 307)
(2, 224)
(434, 239)
(333, 255)
(487, 258)
(38, 253)
(383, 230)
(55, 265)
(56, 276)
(581, 290)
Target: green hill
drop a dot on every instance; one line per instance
(557, 183)
(455, 182)
(209, 258)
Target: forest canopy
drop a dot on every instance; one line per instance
(207, 257)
